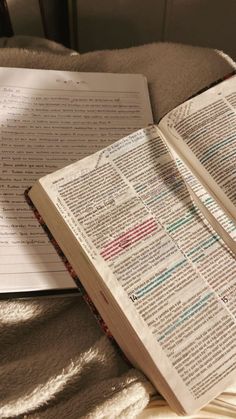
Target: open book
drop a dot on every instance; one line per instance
(49, 119)
(154, 247)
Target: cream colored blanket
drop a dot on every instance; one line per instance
(55, 361)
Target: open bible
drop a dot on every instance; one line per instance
(148, 225)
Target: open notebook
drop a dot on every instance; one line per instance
(49, 119)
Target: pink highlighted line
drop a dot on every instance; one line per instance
(129, 238)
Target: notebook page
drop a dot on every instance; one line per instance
(49, 119)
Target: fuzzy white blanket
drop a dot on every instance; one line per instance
(55, 361)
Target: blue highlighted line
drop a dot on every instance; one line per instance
(209, 200)
(186, 314)
(155, 282)
(228, 156)
(139, 188)
(187, 217)
(204, 245)
(211, 151)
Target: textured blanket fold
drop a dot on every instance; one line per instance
(55, 361)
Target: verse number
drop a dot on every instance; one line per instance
(225, 299)
(133, 297)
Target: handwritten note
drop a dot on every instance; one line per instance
(49, 119)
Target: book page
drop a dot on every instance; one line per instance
(49, 119)
(130, 209)
(207, 125)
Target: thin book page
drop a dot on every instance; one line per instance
(131, 211)
(212, 212)
(216, 225)
(211, 237)
(49, 119)
(202, 131)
